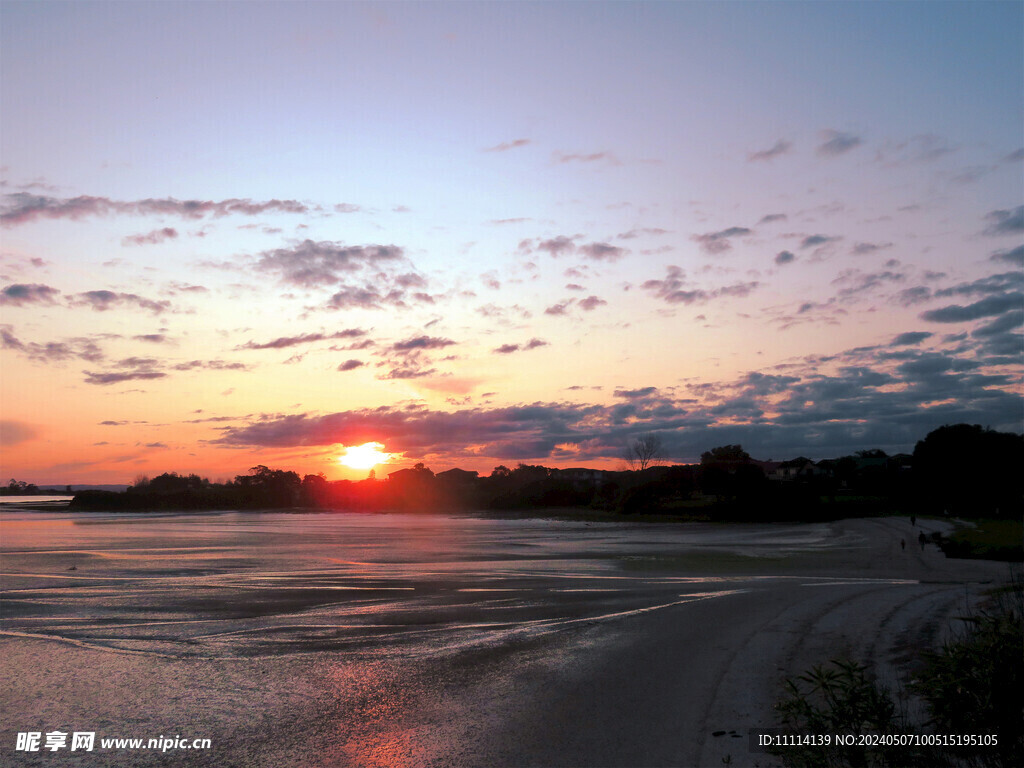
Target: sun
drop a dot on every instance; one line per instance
(364, 456)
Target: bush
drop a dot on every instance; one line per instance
(973, 685)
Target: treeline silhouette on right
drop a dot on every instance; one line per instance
(959, 470)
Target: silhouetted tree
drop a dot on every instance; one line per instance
(970, 470)
(643, 451)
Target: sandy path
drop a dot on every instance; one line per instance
(659, 696)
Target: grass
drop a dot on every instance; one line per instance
(988, 539)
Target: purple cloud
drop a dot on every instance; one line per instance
(105, 379)
(103, 301)
(21, 207)
(780, 147)
(20, 294)
(838, 143)
(507, 145)
(306, 338)
(719, 242)
(151, 238)
(310, 264)
(351, 365)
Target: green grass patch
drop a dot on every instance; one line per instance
(989, 539)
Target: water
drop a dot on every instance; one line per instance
(245, 584)
(370, 640)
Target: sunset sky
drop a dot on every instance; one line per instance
(479, 234)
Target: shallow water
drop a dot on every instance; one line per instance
(393, 640)
(245, 584)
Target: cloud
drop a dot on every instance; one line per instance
(507, 145)
(213, 365)
(507, 349)
(21, 207)
(152, 338)
(910, 338)
(351, 297)
(284, 342)
(105, 379)
(812, 241)
(602, 251)
(556, 246)
(780, 147)
(859, 282)
(772, 217)
(998, 283)
(151, 238)
(671, 289)
(591, 302)
(419, 343)
(20, 295)
(718, 242)
(1014, 256)
(562, 308)
(593, 157)
(14, 433)
(1009, 222)
(53, 351)
(636, 394)
(987, 307)
(347, 208)
(633, 233)
(310, 264)
(102, 301)
(1015, 157)
(837, 143)
(351, 365)
(784, 257)
(860, 249)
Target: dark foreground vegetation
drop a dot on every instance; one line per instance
(959, 470)
(972, 689)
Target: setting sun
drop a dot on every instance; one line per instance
(364, 456)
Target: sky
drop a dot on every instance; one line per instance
(478, 234)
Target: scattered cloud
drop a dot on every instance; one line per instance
(103, 301)
(784, 257)
(837, 143)
(351, 365)
(22, 207)
(507, 349)
(1013, 256)
(772, 217)
(420, 343)
(719, 242)
(505, 146)
(780, 147)
(910, 338)
(21, 295)
(672, 289)
(151, 238)
(987, 307)
(284, 342)
(118, 377)
(311, 264)
(1008, 222)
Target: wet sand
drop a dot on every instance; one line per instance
(408, 640)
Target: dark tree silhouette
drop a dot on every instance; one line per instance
(643, 451)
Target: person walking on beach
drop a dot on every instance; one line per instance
(903, 544)
(913, 520)
(921, 540)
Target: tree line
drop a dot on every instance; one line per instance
(961, 469)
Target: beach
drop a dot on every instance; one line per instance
(446, 640)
